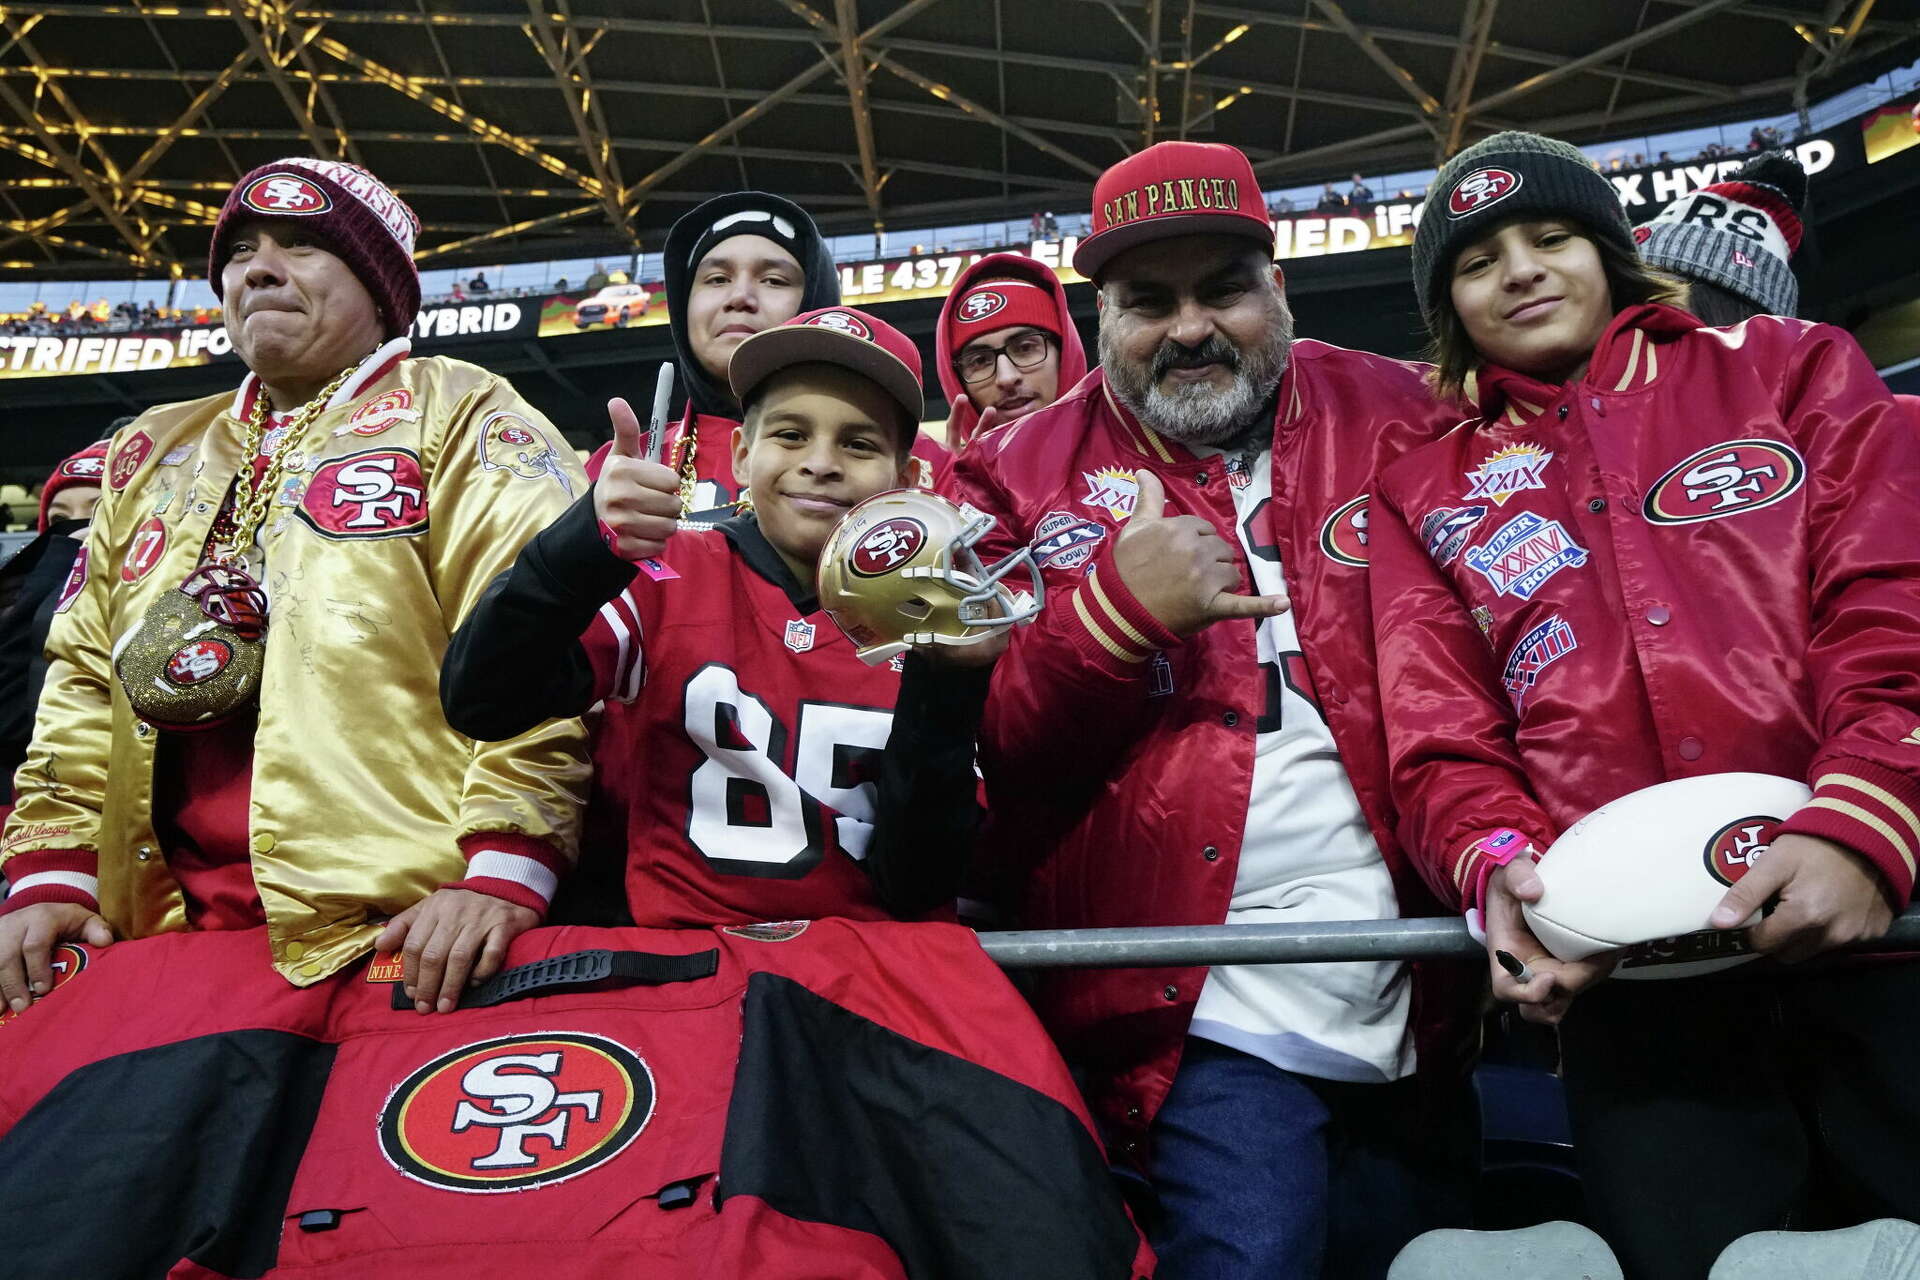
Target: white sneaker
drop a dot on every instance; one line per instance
(1550, 1251)
(1888, 1249)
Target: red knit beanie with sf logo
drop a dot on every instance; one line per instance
(367, 226)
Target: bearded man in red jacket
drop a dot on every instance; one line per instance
(1171, 744)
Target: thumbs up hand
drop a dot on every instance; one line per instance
(636, 500)
(1179, 567)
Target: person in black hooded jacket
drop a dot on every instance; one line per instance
(735, 265)
(739, 263)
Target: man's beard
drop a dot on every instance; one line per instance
(1198, 413)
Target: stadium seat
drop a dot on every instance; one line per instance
(1527, 1172)
(1550, 1251)
(1888, 1249)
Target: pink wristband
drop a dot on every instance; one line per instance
(1497, 850)
(653, 566)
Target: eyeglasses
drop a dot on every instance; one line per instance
(1026, 350)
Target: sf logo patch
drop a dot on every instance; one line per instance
(1481, 188)
(1735, 847)
(199, 661)
(1343, 538)
(379, 493)
(981, 304)
(517, 1112)
(66, 960)
(1725, 480)
(842, 322)
(887, 546)
(283, 193)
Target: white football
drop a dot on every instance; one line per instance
(1645, 871)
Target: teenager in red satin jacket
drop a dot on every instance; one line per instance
(1672, 550)
(1741, 499)
(1663, 550)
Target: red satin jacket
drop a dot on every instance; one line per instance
(1702, 557)
(1118, 758)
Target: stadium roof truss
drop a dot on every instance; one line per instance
(529, 128)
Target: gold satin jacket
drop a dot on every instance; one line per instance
(414, 488)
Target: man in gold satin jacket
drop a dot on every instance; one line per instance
(241, 722)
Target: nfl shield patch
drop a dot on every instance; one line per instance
(799, 635)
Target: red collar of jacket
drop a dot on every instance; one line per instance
(1626, 357)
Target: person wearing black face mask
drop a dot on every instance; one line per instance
(34, 584)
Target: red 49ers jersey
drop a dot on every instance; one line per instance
(743, 741)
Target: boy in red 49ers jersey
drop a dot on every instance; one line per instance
(742, 740)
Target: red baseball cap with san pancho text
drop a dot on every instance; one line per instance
(1173, 189)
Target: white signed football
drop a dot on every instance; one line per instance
(1645, 871)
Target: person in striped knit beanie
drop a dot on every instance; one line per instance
(1733, 242)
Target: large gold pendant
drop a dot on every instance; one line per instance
(194, 660)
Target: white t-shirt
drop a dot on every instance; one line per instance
(1306, 855)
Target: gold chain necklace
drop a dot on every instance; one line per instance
(197, 656)
(252, 497)
(687, 445)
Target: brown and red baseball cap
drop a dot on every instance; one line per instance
(855, 340)
(1173, 189)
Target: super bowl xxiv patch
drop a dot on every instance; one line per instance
(1523, 553)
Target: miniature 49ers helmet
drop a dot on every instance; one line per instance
(901, 571)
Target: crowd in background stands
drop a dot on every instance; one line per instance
(19, 504)
(78, 318)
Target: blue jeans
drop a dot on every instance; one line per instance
(1261, 1174)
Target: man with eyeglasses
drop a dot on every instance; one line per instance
(1010, 345)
